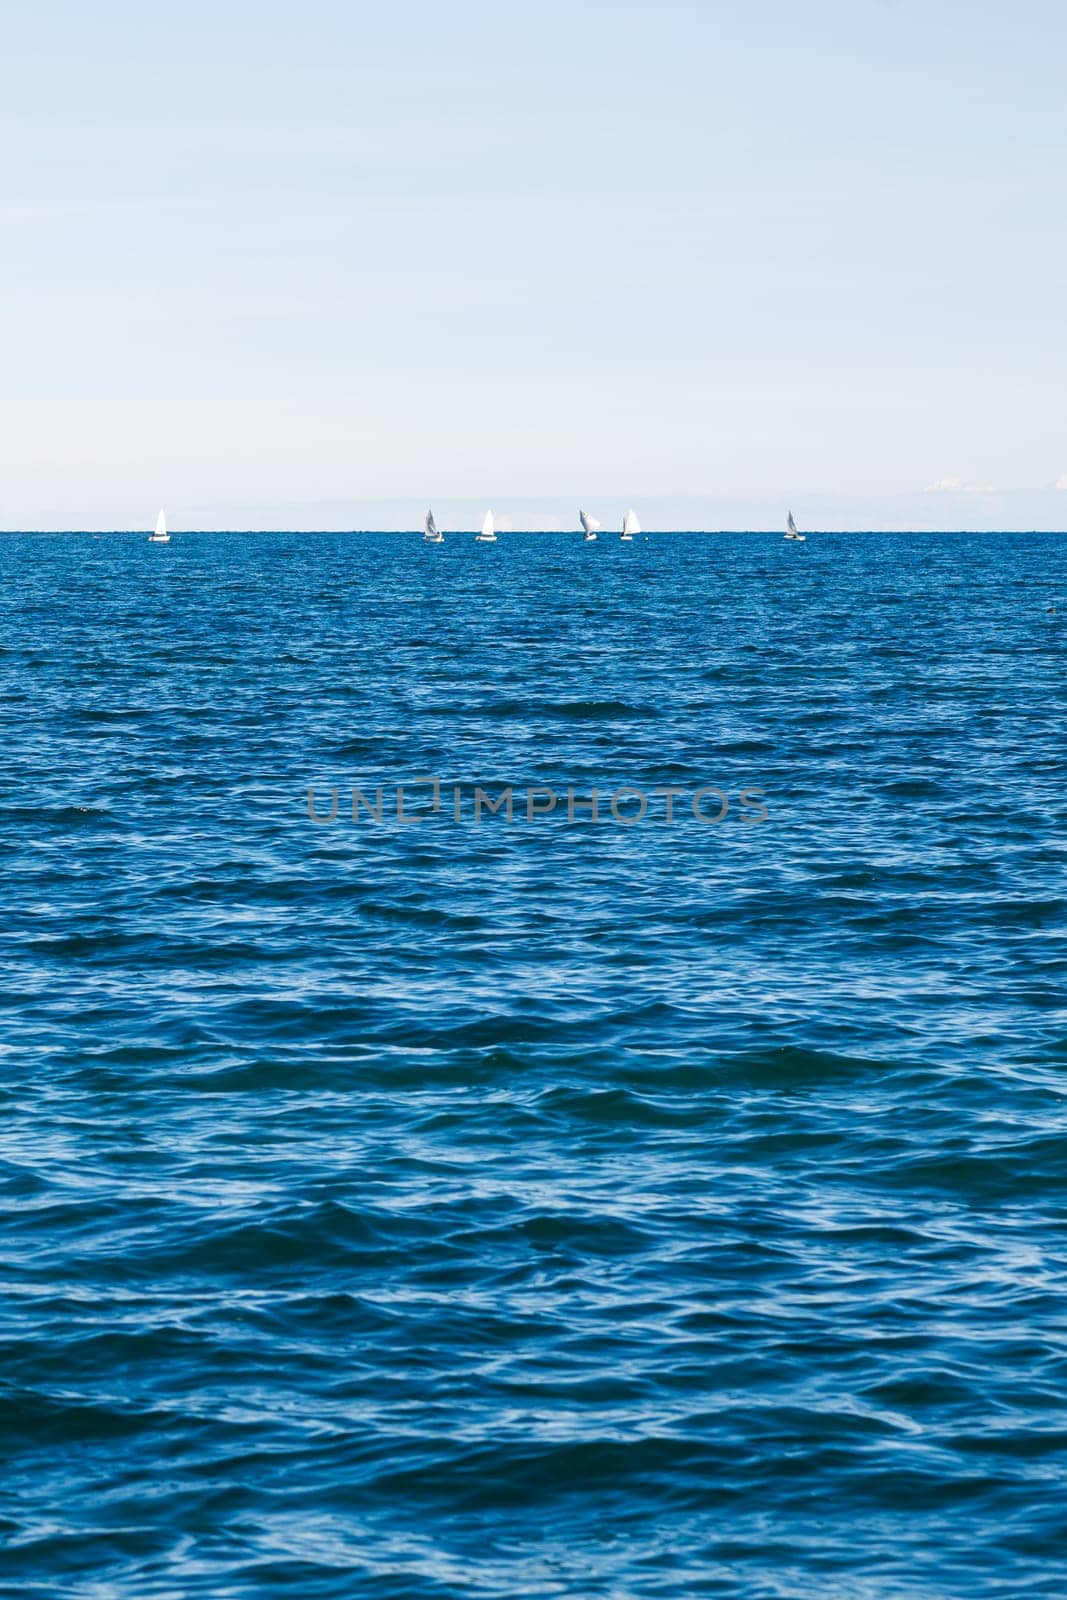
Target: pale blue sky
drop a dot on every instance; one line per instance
(320, 264)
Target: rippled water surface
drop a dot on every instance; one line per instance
(548, 1207)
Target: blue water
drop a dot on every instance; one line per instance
(535, 1208)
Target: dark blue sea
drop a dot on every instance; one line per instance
(551, 1205)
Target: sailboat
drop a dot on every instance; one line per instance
(589, 527)
(161, 536)
(791, 529)
(431, 532)
(630, 524)
(488, 533)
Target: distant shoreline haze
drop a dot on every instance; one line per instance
(933, 511)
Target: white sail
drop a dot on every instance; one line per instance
(630, 524)
(431, 530)
(161, 536)
(589, 525)
(488, 533)
(790, 526)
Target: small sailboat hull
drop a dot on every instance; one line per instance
(160, 536)
(488, 533)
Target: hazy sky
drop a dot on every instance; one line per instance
(322, 263)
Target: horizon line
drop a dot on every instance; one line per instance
(517, 533)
